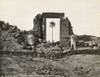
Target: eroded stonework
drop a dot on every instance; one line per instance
(65, 27)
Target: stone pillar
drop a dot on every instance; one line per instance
(64, 32)
(44, 33)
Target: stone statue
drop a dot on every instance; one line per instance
(73, 42)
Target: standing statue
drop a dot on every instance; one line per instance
(31, 40)
(73, 42)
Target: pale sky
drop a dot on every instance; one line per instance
(83, 14)
(56, 29)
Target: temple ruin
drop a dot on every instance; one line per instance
(65, 27)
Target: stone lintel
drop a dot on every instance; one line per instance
(52, 15)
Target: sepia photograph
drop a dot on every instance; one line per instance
(49, 38)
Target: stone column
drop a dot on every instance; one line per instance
(44, 36)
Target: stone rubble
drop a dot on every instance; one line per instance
(12, 38)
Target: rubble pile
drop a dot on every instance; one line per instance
(11, 38)
(73, 65)
(14, 39)
(88, 41)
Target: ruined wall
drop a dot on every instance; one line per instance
(65, 32)
(37, 25)
(1, 46)
(65, 27)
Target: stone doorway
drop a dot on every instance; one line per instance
(64, 32)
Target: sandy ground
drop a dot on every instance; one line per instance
(80, 65)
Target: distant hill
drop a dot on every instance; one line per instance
(88, 37)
